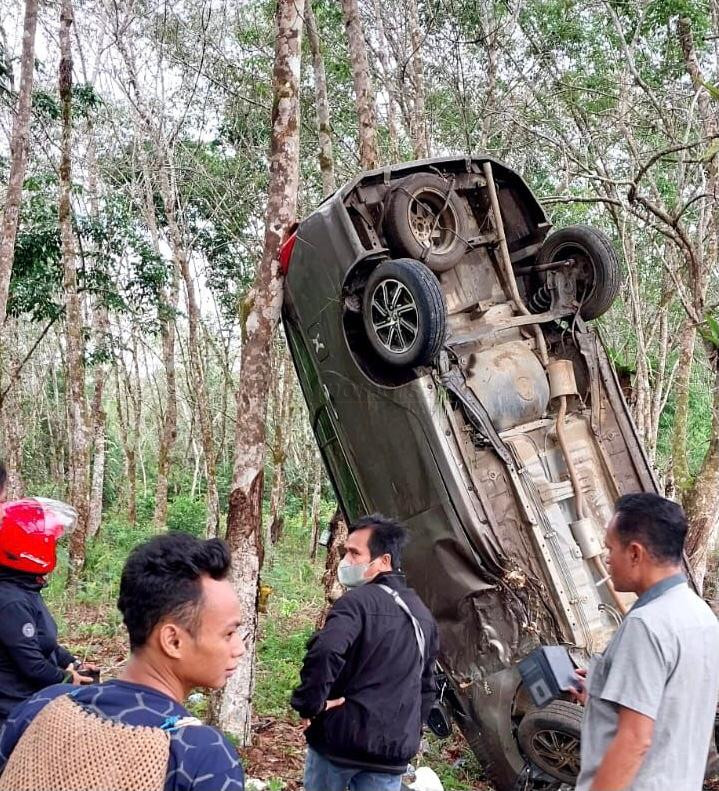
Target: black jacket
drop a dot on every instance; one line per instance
(30, 657)
(367, 653)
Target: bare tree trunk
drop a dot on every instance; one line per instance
(364, 95)
(167, 312)
(327, 163)
(702, 502)
(77, 406)
(18, 155)
(98, 471)
(333, 590)
(168, 435)
(244, 518)
(199, 385)
(315, 512)
(279, 451)
(135, 397)
(305, 502)
(387, 79)
(420, 138)
(98, 420)
(101, 325)
(124, 420)
(680, 460)
(12, 423)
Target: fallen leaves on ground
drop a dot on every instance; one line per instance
(278, 750)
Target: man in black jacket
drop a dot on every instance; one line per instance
(367, 681)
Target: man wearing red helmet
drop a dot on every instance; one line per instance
(30, 657)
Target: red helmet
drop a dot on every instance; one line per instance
(29, 531)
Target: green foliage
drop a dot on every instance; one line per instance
(45, 106)
(661, 13)
(700, 422)
(5, 73)
(118, 264)
(710, 331)
(294, 603)
(453, 761)
(279, 659)
(106, 556)
(37, 272)
(188, 515)
(85, 100)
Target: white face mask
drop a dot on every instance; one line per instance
(353, 575)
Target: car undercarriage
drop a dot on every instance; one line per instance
(440, 335)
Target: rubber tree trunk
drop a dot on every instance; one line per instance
(168, 433)
(197, 368)
(326, 158)
(420, 138)
(101, 326)
(333, 590)
(315, 510)
(244, 519)
(98, 420)
(12, 421)
(364, 95)
(18, 155)
(129, 417)
(680, 459)
(283, 423)
(701, 501)
(74, 329)
(98, 473)
(388, 79)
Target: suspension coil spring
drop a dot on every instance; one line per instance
(540, 301)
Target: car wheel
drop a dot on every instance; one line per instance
(404, 313)
(596, 265)
(426, 221)
(549, 738)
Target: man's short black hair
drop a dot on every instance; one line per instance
(655, 522)
(162, 579)
(388, 537)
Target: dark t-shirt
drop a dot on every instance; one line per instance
(201, 759)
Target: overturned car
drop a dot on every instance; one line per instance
(438, 328)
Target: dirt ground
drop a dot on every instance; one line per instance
(278, 750)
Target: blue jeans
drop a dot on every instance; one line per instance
(323, 775)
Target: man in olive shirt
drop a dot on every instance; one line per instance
(652, 695)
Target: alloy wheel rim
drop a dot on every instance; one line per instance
(558, 750)
(395, 318)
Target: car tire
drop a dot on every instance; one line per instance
(403, 312)
(599, 275)
(410, 221)
(549, 738)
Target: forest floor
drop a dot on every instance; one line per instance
(91, 627)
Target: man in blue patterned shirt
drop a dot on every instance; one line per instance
(183, 617)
